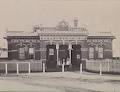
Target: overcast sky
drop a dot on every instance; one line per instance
(98, 15)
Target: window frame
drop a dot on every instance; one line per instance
(31, 54)
(100, 52)
(21, 53)
(91, 52)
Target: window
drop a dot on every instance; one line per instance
(100, 52)
(31, 53)
(78, 56)
(91, 53)
(21, 53)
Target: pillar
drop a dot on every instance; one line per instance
(29, 70)
(57, 48)
(17, 68)
(63, 66)
(70, 48)
(43, 67)
(6, 68)
(80, 68)
(100, 69)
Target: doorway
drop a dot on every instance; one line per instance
(76, 56)
(51, 56)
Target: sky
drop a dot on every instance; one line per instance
(97, 15)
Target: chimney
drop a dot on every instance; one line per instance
(35, 28)
(75, 22)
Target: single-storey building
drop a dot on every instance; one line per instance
(62, 43)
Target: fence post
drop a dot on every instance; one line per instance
(80, 68)
(17, 67)
(29, 70)
(108, 65)
(63, 66)
(100, 69)
(6, 68)
(43, 67)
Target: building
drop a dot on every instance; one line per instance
(3, 53)
(63, 43)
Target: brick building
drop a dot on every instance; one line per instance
(61, 43)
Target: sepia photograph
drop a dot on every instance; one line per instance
(59, 46)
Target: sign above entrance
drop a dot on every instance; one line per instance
(25, 40)
(63, 38)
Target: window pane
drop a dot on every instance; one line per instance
(91, 52)
(91, 49)
(21, 50)
(31, 53)
(31, 50)
(100, 52)
(100, 49)
(21, 53)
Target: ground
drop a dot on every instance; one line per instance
(60, 82)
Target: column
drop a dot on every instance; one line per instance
(29, 70)
(100, 68)
(57, 48)
(70, 48)
(63, 66)
(76, 42)
(80, 68)
(43, 66)
(17, 68)
(6, 68)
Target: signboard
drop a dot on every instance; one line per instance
(24, 40)
(51, 51)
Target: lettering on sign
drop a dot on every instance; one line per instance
(25, 40)
(98, 40)
(62, 38)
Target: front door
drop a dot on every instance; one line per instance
(51, 56)
(76, 56)
(63, 53)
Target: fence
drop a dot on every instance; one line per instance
(15, 66)
(107, 65)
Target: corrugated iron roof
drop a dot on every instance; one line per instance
(20, 33)
(90, 34)
(100, 34)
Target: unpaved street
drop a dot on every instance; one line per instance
(60, 82)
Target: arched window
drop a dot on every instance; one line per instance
(100, 52)
(31, 53)
(91, 52)
(21, 53)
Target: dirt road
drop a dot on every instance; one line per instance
(60, 82)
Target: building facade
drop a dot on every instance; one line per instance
(3, 53)
(59, 44)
